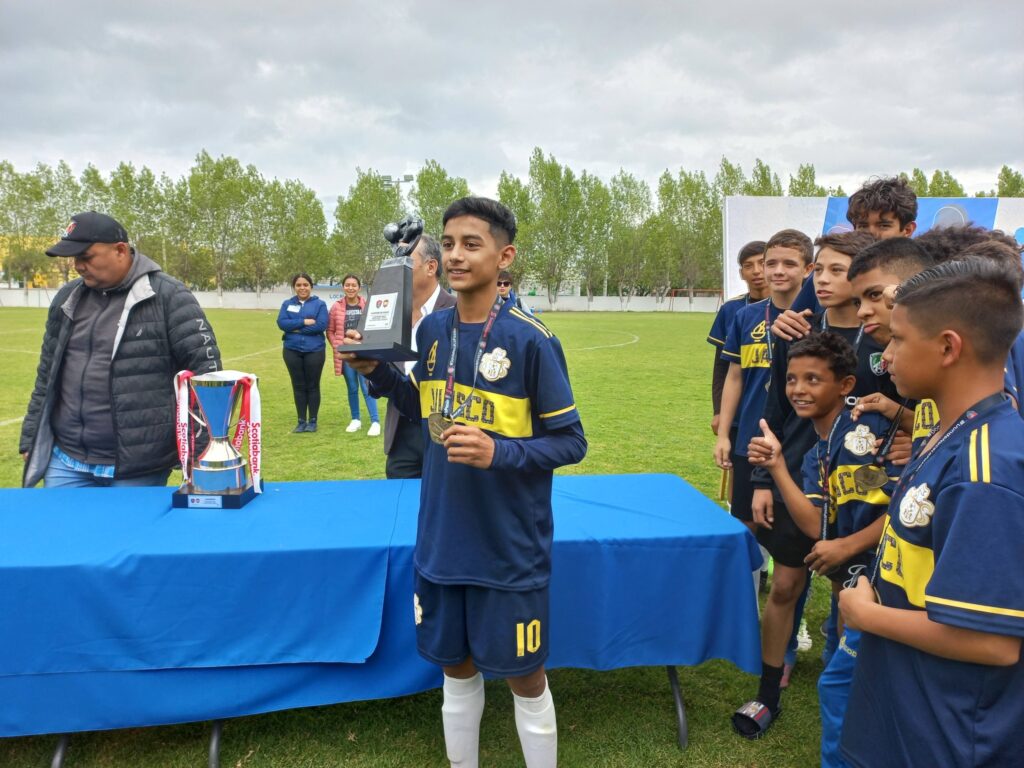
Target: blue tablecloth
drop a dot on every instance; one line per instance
(118, 611)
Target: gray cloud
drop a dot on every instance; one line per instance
(313, 90)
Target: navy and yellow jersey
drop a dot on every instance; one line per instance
(852, 508)
(747, 344)
(723, 320)
(797, 434)
(1013, 373)
(952, 547)
(490, 527)
(926, 419)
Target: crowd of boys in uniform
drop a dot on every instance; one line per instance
(869, 417)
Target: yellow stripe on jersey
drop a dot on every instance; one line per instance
(976, 607)
(518, 313)
(905, 565)
(926, 416)
(504, 415)
(978, 456)
(552, 414)
(412, 378)
(754, 356)
(844, 487)
(986, 474)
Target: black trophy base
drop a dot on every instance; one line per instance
(186, 498)
(386, 352)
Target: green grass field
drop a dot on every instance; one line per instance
(642, 385)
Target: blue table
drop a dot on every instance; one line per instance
(117, 611)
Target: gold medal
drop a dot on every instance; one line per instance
(437, 423)
(869, 477)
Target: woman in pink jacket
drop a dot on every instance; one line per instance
(345, 316)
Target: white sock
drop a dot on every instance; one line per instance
(538, 733)
(461, 712)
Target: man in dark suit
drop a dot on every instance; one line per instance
(403, 438)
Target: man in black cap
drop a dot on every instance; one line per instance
(102, 411)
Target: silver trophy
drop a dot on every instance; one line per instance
(219, 477)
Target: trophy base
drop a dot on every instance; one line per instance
(186, 498)
(386, 351)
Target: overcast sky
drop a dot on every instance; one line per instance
(311, 90)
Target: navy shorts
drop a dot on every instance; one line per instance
(504, 632)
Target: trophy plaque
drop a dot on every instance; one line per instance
(386, 323)
(219, 477)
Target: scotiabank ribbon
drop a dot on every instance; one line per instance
(250, 422)
(183, 394)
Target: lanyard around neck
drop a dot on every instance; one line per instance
(449, 386)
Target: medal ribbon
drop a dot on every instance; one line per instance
(824, 473)
(182, 393)
(449, 386)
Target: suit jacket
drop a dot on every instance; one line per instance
(392, 416)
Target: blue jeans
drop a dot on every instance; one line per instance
(59, 475)
(356, 382)
(833, 694)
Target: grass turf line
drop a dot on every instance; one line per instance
(645, 408)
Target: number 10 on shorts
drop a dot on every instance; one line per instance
(527, 637)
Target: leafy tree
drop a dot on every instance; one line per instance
(1010, 182)
(435, 190)
(804, 183)
(22, 199)
(631, 207)
(558, 212)
(358, 242)
(515, 194)
(219, 189)
(300, 233)
(943, 184)
(917, 182)
(594, 234)
(762, 181)
(95, 191)
(693, 215)
(729, 180)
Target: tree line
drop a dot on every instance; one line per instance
(224, 226)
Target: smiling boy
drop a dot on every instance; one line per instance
(840, 502)
(492, 392)
(748, 348)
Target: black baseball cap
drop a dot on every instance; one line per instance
(84, 230)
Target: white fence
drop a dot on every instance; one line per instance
(41, 297)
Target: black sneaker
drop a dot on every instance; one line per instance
(300, 427)
(311, 426)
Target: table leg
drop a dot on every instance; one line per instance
(60, 751)
(215, 731)
(684, 731)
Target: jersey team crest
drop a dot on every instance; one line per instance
(860, 441)
(432, 358)
(878, 365)
(915, 509)
(494, 365)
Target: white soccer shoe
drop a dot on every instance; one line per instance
(803, 638)
(374, 429)
(354, 425)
